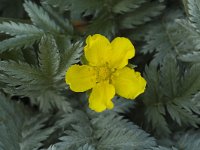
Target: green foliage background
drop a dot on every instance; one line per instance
(41, 39)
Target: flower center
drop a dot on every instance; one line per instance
(103, 73)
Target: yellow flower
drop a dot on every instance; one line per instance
(106, 72)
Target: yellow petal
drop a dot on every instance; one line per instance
(122, 50)
(97, 50)
(80, 78)
(128, 83)
(101, 97)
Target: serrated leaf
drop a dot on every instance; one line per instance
(49, 56)
(76, 116)
(170, 77)
(167, 38)
(18, 42)
(20, 131)
(20, 71)
(155, 117)
(122, 105)
(104, 25)
(157, 40)
(126, 6)
(142, 15)
(122, 135)
(22, 79)
(189, 140)
(104, 131)
(64, 23)
(163, 96)
(13, 29)
(49, 99)
(152, 93)
(40, 17)
(194, 11)
(81, 135)
(193, 57)
(191, 82)
(191, 39)
(70, 56)
(181, 116)
(78, 7)
(32, 133)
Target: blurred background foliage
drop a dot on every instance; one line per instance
(41, 39)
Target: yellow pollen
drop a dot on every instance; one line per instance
(103, 73)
